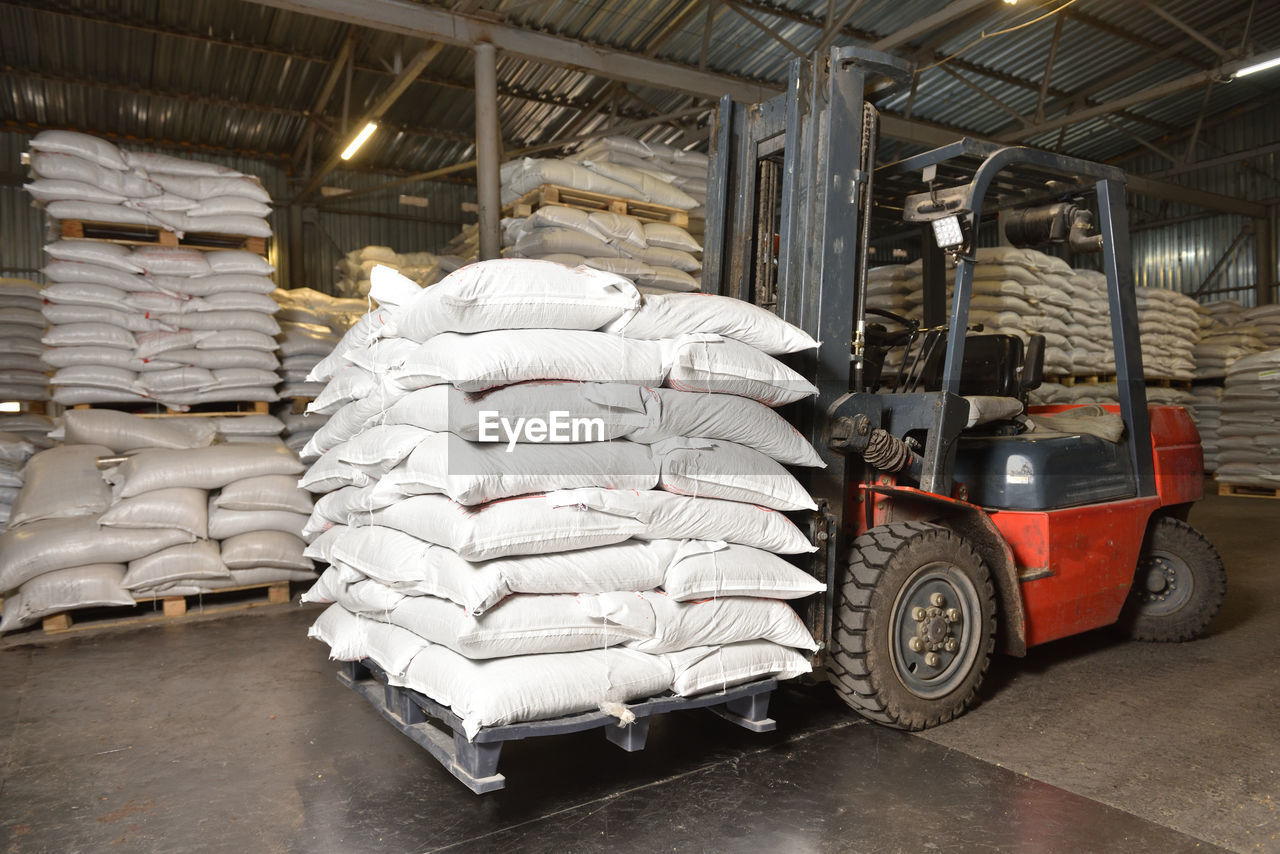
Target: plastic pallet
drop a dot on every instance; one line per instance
(475, 762)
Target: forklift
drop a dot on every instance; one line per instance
(941, 540)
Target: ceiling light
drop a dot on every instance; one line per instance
(1258, 66)
(363, 135)
(1011, 2)
(11, 406)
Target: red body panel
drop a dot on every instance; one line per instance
(1075, 566)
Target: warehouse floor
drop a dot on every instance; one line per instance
(233, 734)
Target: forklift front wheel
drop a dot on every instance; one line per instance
(916, 626)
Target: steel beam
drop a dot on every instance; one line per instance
(388, 97)
(1264, 248)
(764, 28)
(114, 20)
(1058, 22)
(488, 185)
(1191, 31)
(1171, 87)
(942, 17)
(1223, 160)
(326, 92)
(442, 25)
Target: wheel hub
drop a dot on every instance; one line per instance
(1166, 584)
(931, 630)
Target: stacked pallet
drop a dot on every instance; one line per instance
(312, 324)
(131, 509)
(23, 377)
(544, 493)
(90, 185)
(1249, 439)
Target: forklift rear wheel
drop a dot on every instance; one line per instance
(1179, 586)
(916, 626)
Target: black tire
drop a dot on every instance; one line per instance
(1179, 586)
(893, 571)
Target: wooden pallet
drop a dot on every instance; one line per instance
(198, 410)
(298, 405)
(171, 608)
(1240, 491)
(1161, 382)
(1084, 379)
(128, 233)
(34, 407)
(552, 194)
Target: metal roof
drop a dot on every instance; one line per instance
(239, 77)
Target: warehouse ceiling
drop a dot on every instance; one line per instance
(291, 80)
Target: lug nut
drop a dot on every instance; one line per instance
(916, 644)
(951, 645)
(917, 614)
(953, 615)
(932, 659)
(938, 600)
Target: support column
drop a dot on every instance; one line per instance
(488, 142)
(1264, 255)
(293, 246)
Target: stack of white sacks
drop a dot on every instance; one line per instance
(22, 375)
(1266, 320)
(686, 171)
(1169, 327)
(656, 256)
(77, 176)
(353, 268)
(15, 450)
(1015, 292)
(198, 505)
(1249, 438)
(1206, 410)
(617, 536)
(311, 326)
(1225, 335)
(157, 324)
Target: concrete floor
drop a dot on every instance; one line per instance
(233, 734)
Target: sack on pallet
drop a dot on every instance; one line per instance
(541, 242)
(663, 515)
(627, 267)
(416, 567)
(251, 321)
(53, 544)
(518, 625)
(472, 473)
(205, 468)
(707, 363)
(91, 586)
(90, 272)
(179, 508)
(624, 232)
(521, 176)
(706, 669)
(170, 261)
(718, 469)
(53, 190)
(229, 206)
(669, 315)
(94, 212)
(267, 492)
(354, 638)
(83, 145)
(668, 236)
(725, 569)
(224, 523)
(647, 187)
(60, 483)
(188, 561)
(662, 280)
(515, 294)
(712, 622)
(265, 548)
(70, 167)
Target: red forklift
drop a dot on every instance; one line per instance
(942, 539)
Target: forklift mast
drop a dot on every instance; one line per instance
(796, 177)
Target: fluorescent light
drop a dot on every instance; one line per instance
(11, 406)
(1258, 66)
(359, 140)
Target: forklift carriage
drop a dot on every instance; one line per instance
(938, 535)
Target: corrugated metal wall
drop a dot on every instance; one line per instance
(327, 233)
(1181, 255)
